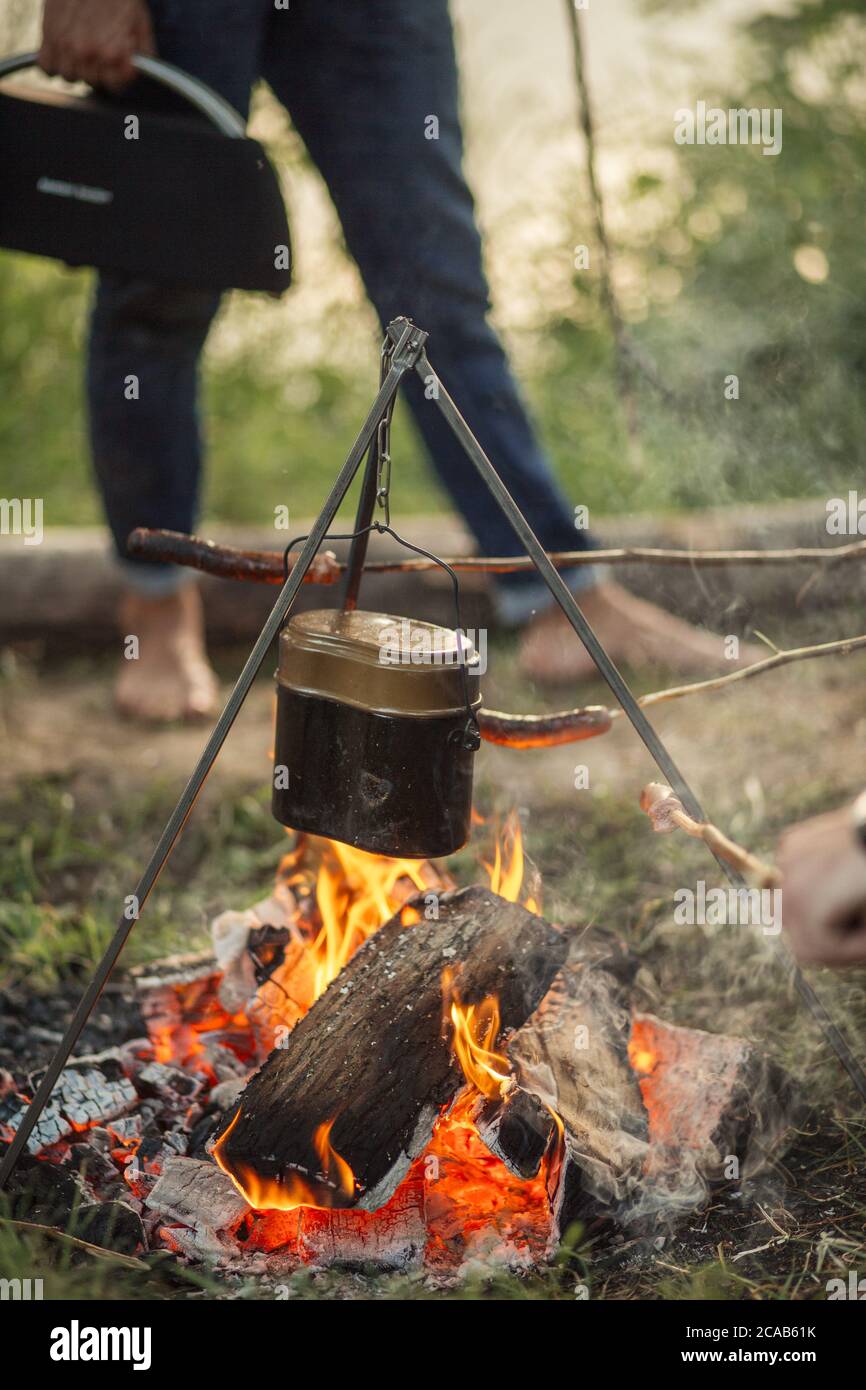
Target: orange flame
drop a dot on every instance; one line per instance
(641, 1054)
(285, 1194)
(506, 873)
(356, 893)
(476, 1029)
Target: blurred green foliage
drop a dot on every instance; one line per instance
(747, 264)
(728, 262)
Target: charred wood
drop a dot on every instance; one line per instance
(373, 1055)
(518, 1130)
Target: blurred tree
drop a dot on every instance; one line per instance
(726, 263)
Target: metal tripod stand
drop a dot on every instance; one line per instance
(404, 351)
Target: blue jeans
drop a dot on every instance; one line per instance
(359, 81)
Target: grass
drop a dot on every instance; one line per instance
(67, 862)
(71, 1268)
(68, 852)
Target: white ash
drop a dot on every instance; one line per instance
(197, 1194)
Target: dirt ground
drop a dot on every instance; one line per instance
(768, 740)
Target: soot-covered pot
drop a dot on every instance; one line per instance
(374, 739)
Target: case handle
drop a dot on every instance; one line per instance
(211, 105)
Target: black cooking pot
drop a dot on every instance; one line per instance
(374, 737)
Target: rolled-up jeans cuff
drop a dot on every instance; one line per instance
(516, 604)
(155, 581)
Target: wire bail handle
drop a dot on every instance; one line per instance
(470, 735)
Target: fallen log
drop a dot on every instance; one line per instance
(361, 1079)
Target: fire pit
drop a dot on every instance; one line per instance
(373, 1067)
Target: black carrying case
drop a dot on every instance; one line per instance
(190, 201)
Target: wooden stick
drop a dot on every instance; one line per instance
(841, 648)
(85, 1246)
(667, 813)
(266, 566)
(588, 721)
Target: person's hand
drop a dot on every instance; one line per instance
(93, 40)
(823, 870)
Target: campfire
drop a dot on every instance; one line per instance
(375, 1066)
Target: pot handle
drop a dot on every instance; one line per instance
(211, 105)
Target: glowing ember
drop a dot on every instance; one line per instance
(641, 1060)
(473, 1202)
(180, 1021)
(641, 1053)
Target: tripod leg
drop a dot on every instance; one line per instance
(608, 670)
(403, 360)
(562, 594)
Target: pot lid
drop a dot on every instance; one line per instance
(378, 661)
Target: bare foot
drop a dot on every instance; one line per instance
(635, 633)
(170, 678)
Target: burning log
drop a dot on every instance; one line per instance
(394, 1237)
(573, 1055)
(713, 1097)
(518, 1130)
(337, 1114)
(652, 1114)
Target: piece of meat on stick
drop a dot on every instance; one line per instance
(667, 813)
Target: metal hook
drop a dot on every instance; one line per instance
(383, 440)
